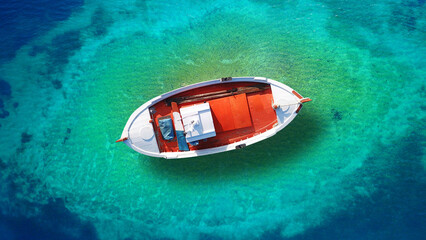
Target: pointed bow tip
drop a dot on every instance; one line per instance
(121, 139)
(305, 100)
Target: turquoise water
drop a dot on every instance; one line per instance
(350, 166)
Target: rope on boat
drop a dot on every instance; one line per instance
(300, 101)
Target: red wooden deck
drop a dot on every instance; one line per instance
(235, 117)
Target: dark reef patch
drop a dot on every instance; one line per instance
(5, 88)
(67, 136)
(36, 49)
(336, 114)
(406, 15)
(57, 84)
(63, 47)
(3, 113)
(3, 165)
(25, 137)
(100, 22)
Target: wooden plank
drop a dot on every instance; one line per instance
(207, 94)
(240, 111)
(230, 113)
(222, 114)
(218, 94)
(261, 110)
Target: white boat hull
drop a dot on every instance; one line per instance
(139, 133)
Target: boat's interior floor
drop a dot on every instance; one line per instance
(236, 116)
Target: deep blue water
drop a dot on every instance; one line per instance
(20, 21)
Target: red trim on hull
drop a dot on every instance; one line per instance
(298, 109)
(305, 100)
(297, 94)
(122, 139)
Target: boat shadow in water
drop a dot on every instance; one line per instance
(297, 138)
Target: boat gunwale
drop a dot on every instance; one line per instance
(194, 153)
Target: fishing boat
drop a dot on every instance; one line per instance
(211, 117)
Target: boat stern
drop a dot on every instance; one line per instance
(139, 133)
